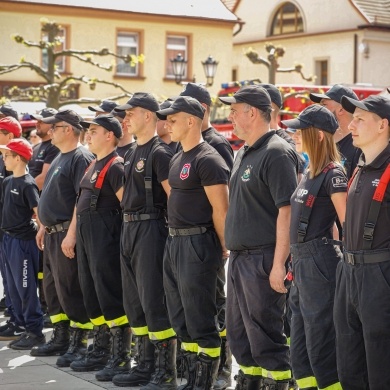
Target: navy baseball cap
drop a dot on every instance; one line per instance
(198, 92)
(183, 104)
(377, 104)
(314, 116)
(274, 93)
(118, 114)
(104, 106)
(8, 110)
(253, 95)
(68, 116)
(335, 93)
(108, 121)
(166, 104)
(45, 113)
(140, 99)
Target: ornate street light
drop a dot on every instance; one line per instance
(210, 68)
(179, 66)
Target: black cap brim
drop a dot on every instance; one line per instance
(296, 124)
(228, 100)
(51, 120)
(123, 107)
(95, 108)
(317, 97)
(37, 117)
(162, 114)
(350, 104)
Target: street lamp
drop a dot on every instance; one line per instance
(179, 66)
(210, 68)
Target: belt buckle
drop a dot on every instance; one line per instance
(350, 258)
(47, 229)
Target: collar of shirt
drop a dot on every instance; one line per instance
(379, 161)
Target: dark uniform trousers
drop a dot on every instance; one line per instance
(98, 233)
(254, 315)
(362, 322)
(3, 272)
(21, 263)
(61, 283)
(191, 264)
(313, 349)
(142, 249)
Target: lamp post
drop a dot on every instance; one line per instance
(210, 68)
(179, 66)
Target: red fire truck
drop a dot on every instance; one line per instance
(295, 99)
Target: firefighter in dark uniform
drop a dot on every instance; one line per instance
(223, 147)
(362, 299)
(127, 139)
(318, 199)
(143, 239)
(264, 177)
(197, 207)
(57, 236)
(44, 153)
(99, 222)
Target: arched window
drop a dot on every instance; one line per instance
(287, 20)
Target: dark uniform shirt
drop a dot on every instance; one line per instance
(323, 213)
(45, 153)
(113, 181)
(360, 196)
(19, 196)
(189, 173)
(134, 195)
(3, 174)
(122, 150)
(263, 179)
(61, 186)
(349, 154)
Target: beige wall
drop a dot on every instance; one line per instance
(208, 37)
(318, 16)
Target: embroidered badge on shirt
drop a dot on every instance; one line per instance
(185, 171)
(246, 176)
(140, 166)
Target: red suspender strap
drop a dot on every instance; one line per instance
(102, 174)
(373, 213)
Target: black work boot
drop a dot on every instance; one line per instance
(97, 358)
(58, 344)
(270, 384)
(77, 347)
(142, 372)
(206, 372)
(224, 376)
(189, 366)
(119, 361)
(164, 376)
(248, 382)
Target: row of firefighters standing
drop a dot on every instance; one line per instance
(170, 276)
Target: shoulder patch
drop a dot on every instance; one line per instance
(339, 182)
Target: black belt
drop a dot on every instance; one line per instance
(187, 232)
(141, 217)
(367, 257)
(60, 227)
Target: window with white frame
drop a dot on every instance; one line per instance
(127, 43)
(60, 44)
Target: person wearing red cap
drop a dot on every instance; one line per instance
(9, 129)
(20, 199)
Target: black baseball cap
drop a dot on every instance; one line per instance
(183, 104)
(253, 95)
(335, 93)
(140, 99)
(274, 93)
(104, 106)
(108, 121)
(166, 104)
(314, 116)
(8, 110)
(198, 92)
(118, 114)
(45, 113)
(377, 104)
(68, 116)
(388, 90)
